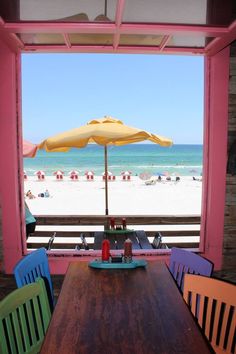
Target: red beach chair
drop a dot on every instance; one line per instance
(109, 176)
(126, 175)
(89, 175)
(74, 175)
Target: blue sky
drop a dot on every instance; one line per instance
(159, 93)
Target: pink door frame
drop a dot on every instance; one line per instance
(215, 157)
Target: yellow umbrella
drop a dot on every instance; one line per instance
(104, 131)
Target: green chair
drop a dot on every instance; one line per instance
(24, 318)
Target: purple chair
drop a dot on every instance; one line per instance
(182, 261)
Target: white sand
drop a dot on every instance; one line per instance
(133, 197)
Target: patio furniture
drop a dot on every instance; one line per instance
(40, 175)
(182, 261)
(216, 313)
(32, 266)
(122, 311)
(74, 177)
(89, 175)
(109, 176)
(117, 238)
(126, 175)
(24, 318)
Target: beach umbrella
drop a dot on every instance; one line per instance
(166, 174)
(159, 174)
(39, 173)
(73, 172)
(193, 170)
(126, 173)
(89, 173)
(144, 176)
(105, 131)
(108, 173)
(59, 172)
(29, 149)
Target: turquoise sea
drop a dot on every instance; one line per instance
(185, 160)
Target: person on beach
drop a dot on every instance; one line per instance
(45, 194)
(30, 195)
(30, 221)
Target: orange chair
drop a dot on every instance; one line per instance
(213, 304)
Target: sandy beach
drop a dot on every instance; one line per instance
(82, 197)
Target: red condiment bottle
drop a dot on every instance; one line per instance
(112, 223)
(105, 250)
(124, 223)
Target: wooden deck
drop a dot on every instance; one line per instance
(80, 232)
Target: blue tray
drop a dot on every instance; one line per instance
(97, 263)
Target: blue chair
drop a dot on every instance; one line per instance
(183, 261)
(32, 266)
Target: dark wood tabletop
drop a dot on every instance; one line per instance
(122, 311)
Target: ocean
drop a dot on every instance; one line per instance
(185, 160)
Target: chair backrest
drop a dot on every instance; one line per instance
(32, 266)
(24, 318)
(216, 313)
(183, 261)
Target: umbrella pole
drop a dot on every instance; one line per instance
(106, 182)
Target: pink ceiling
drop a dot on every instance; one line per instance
(119, 26)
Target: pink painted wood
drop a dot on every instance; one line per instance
(216, 116)
(215, 155)
(10, 186)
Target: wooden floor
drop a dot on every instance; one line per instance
(7, 282)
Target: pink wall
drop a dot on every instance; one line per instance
(215, 155)
(9, 183)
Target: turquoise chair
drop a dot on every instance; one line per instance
(32, 266)
(24, 318)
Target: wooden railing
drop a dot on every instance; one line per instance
(77, 231)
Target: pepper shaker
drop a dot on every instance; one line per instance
(128, 251)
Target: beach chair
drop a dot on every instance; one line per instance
(110, 176)
(74, 177)
(183, 261)
(40, 175)
(32, 266)
(126, 175)
(216, 310)
(24, 318)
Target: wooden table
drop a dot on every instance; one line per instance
(138, 237)
(137, 311)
